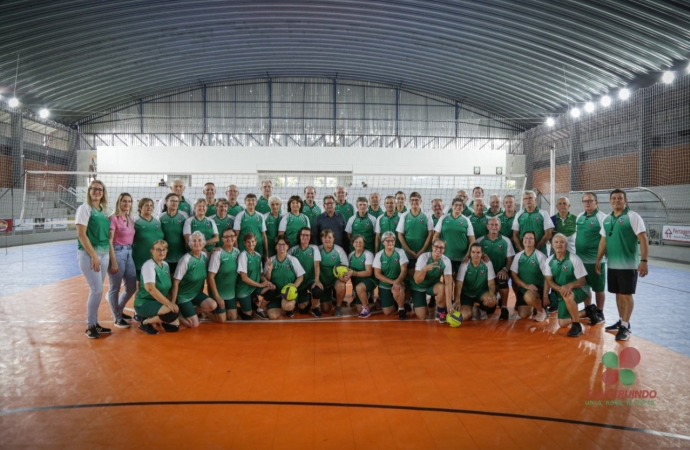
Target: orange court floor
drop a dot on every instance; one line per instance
(330, 383)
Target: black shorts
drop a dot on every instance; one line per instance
(501, 284)
(520, 296)
(622, 281)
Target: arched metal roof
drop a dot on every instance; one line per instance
(519, 59)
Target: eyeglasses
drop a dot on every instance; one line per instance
(160, 250)
(588, 201)
(282, 244)
(440, 247)
(95, 189)
(232, 236)
(389, 240)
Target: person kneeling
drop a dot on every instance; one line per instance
(282, 270)
(152, 304)
(429, 269)
(475, 288)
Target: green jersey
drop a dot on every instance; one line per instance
(529, 268)
(311, 212)
(210, 209)
(498, 250)
(153, 273)
(185, 207)
(359, 263)
(467, 212)
(97, 228)
(435, 219)
(507, 226)
(444, 267)
(224, 264)
(290, 224)
(622, 245)
(565, 271)
(191, 271)
(226, 223)
(328, 261)
(362, 226)
(272, 226)
(205, 226)
(172, 227)
(378, 213)
(346, 210)
(456, 232)
(307, 258)
(391, 266)
(250, 223)
(490, 213)
(146, 232)
(284, 272)
(388, 223)
(588, 235)
(480, 225)
(264, 207)
(567, 226)
(251, 265)
(475, 279)
(235, 210)
(415, 229)
(537, 221)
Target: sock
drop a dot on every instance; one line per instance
(401, 308)
(625, 324)
(504, 307)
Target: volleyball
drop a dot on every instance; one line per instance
(340, 270)
(454, 319)
(289, 292)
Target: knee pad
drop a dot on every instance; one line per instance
(169, 317)
(316, 293)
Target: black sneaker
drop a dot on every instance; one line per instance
(408, 307)
(126, 316)
(289, 314)
(102, 330)
(591, 313)
(170, 328)
(402, 314)
(136, 318)
(601, 317)
(623, 334)
(575, 330)
(614, 327)
(244, 316)
(316, 312)
(552, 308)
(148, 328)
(504, 314)
(261, 314)
(91, 332)
(122, 323)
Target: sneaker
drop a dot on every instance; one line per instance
(601, 317)
(126, 316)
(614, 327)
(402, 314)
(575, 330)
(365, 313)
(148, 328)
(261, 314)
(552, 308)
(475, 312)
(122, 323)
(316, 312)
(483, 315)
(102, 330)
(591, 312)
(289, 314)
(136, 318)
(441, 317)
(244, 316)
(504, 314)
(540, 316)
(338, 311)
(623, 334)
(408, 307)
(170, 328)
(91, 332)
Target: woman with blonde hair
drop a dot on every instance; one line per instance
(121, 262)
(93, 251)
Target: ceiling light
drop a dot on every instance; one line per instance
(668, 77)
(624, 94)
(605, 100)
(575, 113)
(44, 113)
(14, 102)
(550, 122)
(589, 107)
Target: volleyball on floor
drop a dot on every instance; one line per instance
(340, 270)
(289, 292)
(454, 319)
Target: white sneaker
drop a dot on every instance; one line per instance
(540, 316)
(475, 313)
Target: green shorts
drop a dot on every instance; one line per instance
(419, 297)
(187, 309)
(368, 282)
(328, 294)
(230, 304)
(148, 309)
(245, 304)
(596, 282)
(466, 300)
(386, 297)
(554, 297)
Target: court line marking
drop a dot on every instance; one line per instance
(6, 412)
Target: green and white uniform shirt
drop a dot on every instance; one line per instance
(272, 226)
(210, 209)
(191, 271)
(475, 280)
(365, 227)
(328, 261)
(312, 212)
(433, 276)
(251, 265)
(235, 210)
(359, 263)
(290, 224)
(173, 227)
(588, 235)
(436, 219)
(307, 257)
(388, 223)
(250, 223)
(507, 226)
(415, 229)
(264, 207)
(226, 223)
(391, 266)
(567, 227)
(480, 225)
(489, 213)
(622, 245)
(206, 226)
(378, 213)
(467, 212)
(153, 273)
(537, 221)
(498, 250)
(224, 264)
(346, 210)
(146, 232)
(568, 270)
(284, 272)
(529, 268)
(456, 232)
(97, 232)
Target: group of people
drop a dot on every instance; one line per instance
(223, 261)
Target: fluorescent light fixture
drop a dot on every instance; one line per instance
(550, 122)
(14, 102)
(624, 94)
(575, 113)
(668, 77)
(605, 101)
(589, 107)
(44, 113)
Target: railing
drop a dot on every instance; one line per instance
(67, 197)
